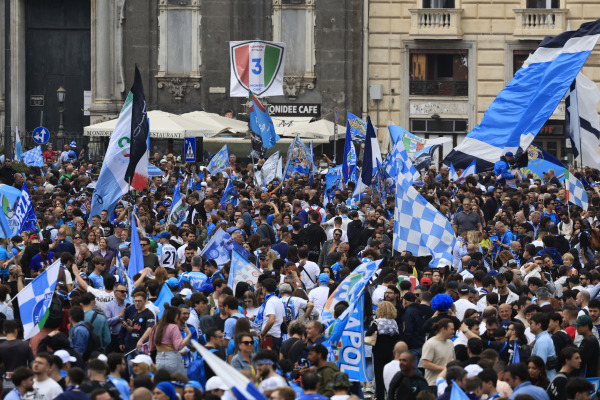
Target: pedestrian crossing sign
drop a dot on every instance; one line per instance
(189, 149)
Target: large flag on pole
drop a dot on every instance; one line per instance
(261, 122)
(137, 169)
(240, 386)
(576, 193)
(176, 212)
(23, 218)
(583, 127)
(229, 195)
(349, 160)
(220, 161)
(18, 146)
(34, 300)
(371, 154)
(357, 127)
(522, 108)
(164, 296)
(269, 169)
(419, 227)
(242, 270)
(349, 290)
(470, 170)
(397, 161)
(136, 260)
(34, 157)
(219, 248)
(352, 345)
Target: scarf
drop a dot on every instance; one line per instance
(258, 321)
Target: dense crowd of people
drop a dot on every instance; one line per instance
(514, 314)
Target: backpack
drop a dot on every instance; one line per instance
(55, 313)
(289, 315)
(47, 235)
(197, 371)
(94, 343)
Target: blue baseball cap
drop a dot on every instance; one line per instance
(323, 278)
(165, 235)
(509, 154)
(119, 224)
(172, 282)
(166, 203)
(208, 288)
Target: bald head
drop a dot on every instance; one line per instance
(399, 348)
(141, 393)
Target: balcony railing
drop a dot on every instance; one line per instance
(439, 88)
(537, 23)
(435, 23)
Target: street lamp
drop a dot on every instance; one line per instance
(60, 96)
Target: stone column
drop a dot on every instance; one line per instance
(107, 59)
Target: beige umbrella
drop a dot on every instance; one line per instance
(213, 124)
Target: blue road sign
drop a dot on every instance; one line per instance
(189, 149)
(40, 135)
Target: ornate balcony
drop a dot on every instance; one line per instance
(435, 23)
(537, 23)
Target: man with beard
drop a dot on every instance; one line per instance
(22, 378)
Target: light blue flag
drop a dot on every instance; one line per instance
(5, 231)
(261, 122)
(242, 270)
(136, 260)
(176, 212)
(34, 300)
(34, 157)
(333, 176)
(350, 291)
(269, 169)
(123, 277)
(18, 146)
(238, 383)
(229, 195)
(357, 127)
(24, 215)
(219, 248)
(349, 160)
(522, 108)
(516, 358)
(470, 170)
(419, 227)
(298, 162)
(397, 161)
(352, 345)
(219, 162)
(397, 133)
(452, 174)
(457, 393)
(164, 296)
(540, 161)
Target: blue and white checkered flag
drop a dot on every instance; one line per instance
(418, 226)
(34, 300)
(576, 193)
(397, 161)
(34, 157)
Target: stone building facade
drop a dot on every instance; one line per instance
(442, 62)
(90, 48)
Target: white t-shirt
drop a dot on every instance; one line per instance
(168, 256)
(298, 302)
(102, 298)
(378, 294)
(274, 307)
(46, 390)
(319, 296)
(463, 305)
(272, 383)
(389, 370)
(181, 253)
(310, 274)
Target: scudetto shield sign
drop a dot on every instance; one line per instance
(256, 65)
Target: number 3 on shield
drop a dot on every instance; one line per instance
(258, 69)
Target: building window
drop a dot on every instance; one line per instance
(439, 72)
(543, 4)
(437, 126)
(438, 3)
(294, 24)
(179, 27)
(519, 57)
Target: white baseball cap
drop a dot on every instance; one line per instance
(142, 359)
(65, 356)
(215, 383)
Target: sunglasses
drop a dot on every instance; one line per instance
(77, 237)
(121, 291)
(247, 342)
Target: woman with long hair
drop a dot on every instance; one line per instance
(242, 325)
(107, 254)
(387, 335)
(166, 339)
(91, 240)
(537, 372)
(161, 275)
